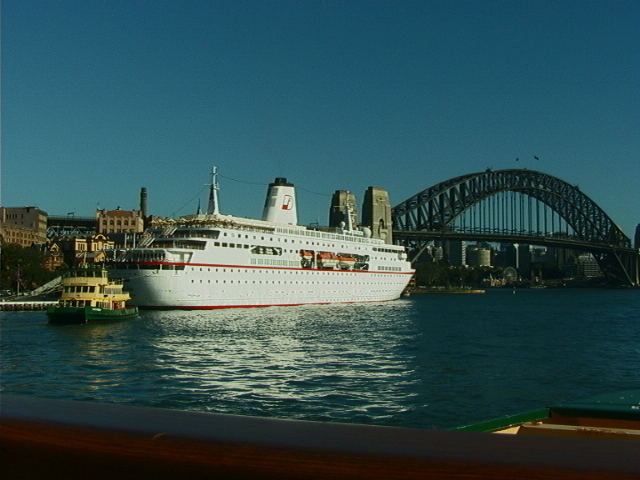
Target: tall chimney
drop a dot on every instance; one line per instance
(143, 205)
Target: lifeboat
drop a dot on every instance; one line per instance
(306, 258)
(346, 263)
(327, 260)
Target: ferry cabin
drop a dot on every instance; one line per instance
(91, 288)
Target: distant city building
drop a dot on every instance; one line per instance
(24, 226)
(587, 266)
(478, 257)
(524, 260)
(437, 253)
(636, 243)
(120, 221)
(455, 252)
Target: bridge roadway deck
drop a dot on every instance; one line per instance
(511, 238)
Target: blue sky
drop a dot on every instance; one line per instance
(102, 97)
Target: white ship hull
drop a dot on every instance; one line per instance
(208, 290)
(225, 262)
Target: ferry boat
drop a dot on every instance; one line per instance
(88, 295)
(609, 415)
(207, 261)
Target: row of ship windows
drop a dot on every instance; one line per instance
(276, 271)
(307, 242)
(80, 289)
(278, 251)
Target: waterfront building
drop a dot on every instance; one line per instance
(24, 226)
(636, 243)
(120, 221)
(84, 248)
(53, 256)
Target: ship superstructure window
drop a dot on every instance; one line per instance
(170, 243)
(198, 233)
(262, 250)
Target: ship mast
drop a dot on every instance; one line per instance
(213, 208)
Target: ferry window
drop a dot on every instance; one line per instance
(232, 245)
(216, 244)
(224, 243)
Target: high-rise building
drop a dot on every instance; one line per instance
(455, 252)
(636, 243)
(587, 266)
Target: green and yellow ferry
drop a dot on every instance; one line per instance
(610, 415)
(88, 295)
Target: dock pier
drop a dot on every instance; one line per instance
(26, 305)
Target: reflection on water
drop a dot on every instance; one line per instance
(322, 362)
(428, 361)
(343, 363)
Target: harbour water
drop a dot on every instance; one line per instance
(428, 361)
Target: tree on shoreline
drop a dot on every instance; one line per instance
(22, 266)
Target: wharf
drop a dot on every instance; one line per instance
(449, 290)
(26, 305)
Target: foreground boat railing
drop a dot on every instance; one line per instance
(64, 439)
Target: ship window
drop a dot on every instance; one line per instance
(224, 244)
(216, 244)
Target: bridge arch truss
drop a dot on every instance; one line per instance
(436, 209)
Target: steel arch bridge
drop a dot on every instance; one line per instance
(523, 206)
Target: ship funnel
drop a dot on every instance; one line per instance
(280, 204)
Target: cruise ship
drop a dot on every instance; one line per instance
(207, 261)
